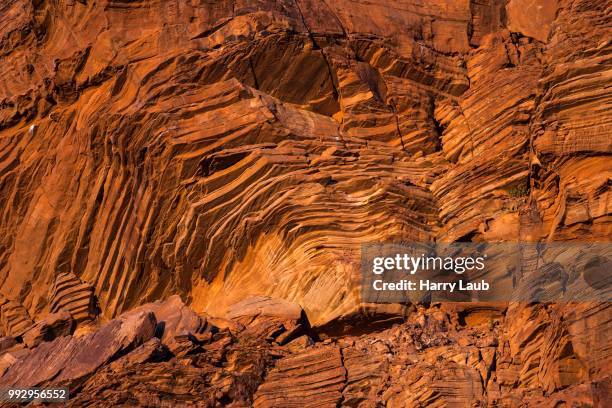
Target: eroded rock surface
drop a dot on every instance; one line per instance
(521, 356)
(224, 151)
(67, 360)
(52, 326)
(236, 154)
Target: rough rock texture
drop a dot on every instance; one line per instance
(435, 358)
(68, 293)
(249, 148)
(235, 152)
(67, 360)
(312, 378)
(52, 326)
(14, 319)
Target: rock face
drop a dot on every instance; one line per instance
(237, 154)
(52, 326)
(245, 149)
(434, 358)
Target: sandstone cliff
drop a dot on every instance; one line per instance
(217, 150)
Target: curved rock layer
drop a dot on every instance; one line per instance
(218, 150)
(215, 151)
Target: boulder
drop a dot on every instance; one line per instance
(253, 307)
(52, 326)
(178, 326)
(275, 319)
(68, 360)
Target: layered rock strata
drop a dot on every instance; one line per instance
(440, 356)
(220, 150)
(251, 148)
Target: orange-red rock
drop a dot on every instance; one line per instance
(237, 154)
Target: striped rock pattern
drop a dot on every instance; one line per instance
(254, 150)
(314, 378)
(72, 295)
(165, 354)
(14, 319)
(227, 149)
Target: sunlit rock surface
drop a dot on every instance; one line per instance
(240, 151)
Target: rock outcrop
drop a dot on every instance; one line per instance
(68, 360)
(249, 149)
(231, 157)
(524, 357)
(52, 326)
(68, 293)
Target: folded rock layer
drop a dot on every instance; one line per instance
(219, 150)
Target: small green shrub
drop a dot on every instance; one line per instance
(518, 190)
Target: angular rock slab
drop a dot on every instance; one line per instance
(273, 318)
(68, 360)
(52, 326)
(314, 378)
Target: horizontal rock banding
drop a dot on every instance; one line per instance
(14, 318)
(313, 378)
(70, 294)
